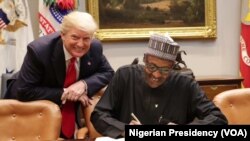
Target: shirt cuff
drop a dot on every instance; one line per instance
(86, 87)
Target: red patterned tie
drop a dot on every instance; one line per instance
(68, 109)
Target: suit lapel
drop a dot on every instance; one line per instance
(58, 62)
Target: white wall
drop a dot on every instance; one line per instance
(206, 57)
(219, 56)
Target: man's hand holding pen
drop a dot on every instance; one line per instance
(135, 120)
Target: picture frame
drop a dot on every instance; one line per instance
(114, 30)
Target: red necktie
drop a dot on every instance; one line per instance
(68, 109)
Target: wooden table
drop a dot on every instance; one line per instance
(213, 85)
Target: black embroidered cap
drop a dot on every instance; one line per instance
(163, 47)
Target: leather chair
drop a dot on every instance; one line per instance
(235, 105)
(89, 131)
(29, 121)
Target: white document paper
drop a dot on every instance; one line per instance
(109, 139)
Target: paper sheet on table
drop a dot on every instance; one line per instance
(109, 139)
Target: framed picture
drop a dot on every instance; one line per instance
(137, 19)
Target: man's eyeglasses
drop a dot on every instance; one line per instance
(152, 68)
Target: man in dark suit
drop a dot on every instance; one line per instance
(43, 73)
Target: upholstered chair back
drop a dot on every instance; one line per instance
(29, 121)
(235, 104)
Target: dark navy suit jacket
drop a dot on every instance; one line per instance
(43, 71)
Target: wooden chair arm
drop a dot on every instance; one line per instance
(89, 130)
(82, 133)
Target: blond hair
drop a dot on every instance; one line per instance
(81, 20)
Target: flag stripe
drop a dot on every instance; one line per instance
(48, 28)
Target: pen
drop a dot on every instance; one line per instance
(135, 118)
(160, 118)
